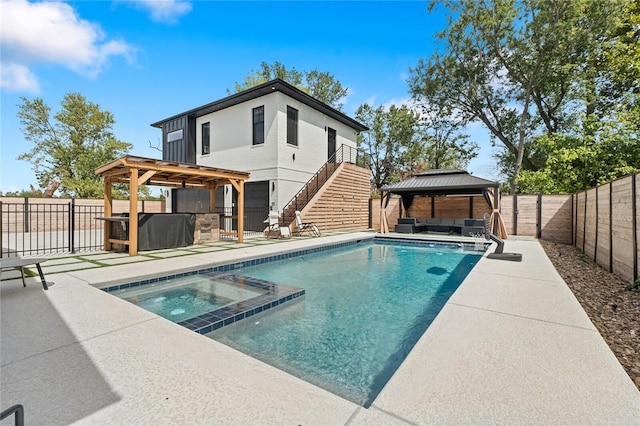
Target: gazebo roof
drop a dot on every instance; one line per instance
(441, 182)
(167, 173)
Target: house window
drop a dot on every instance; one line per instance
(292, 126)
(258, 125)
(174, 136)
(206, 139)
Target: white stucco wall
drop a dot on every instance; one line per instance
(231, 143)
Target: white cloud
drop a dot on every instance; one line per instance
(51, 33)
(18, 78)
(165, 11)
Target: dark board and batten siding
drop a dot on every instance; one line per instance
(183, 150)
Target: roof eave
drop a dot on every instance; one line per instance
(262, 90)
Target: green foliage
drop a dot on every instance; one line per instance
(634, 285)
(31, 193)
(447, 146)
(69, 146)
(394, 142)
(555, 82)
(321, 85)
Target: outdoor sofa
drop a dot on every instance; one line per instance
(464, 227)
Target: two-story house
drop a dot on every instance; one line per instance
(276, 132)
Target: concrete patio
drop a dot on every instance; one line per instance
(511, 346)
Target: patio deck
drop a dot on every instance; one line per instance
(512, 345)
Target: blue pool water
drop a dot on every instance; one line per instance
(187, 297)
(365, 307)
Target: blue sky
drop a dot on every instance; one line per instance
(147, 60)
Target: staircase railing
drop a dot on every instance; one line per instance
(344, 154)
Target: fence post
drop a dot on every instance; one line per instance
(1, 234)
(634, 224)
(370, 213)
(72, 225)
(515, 214)
(595, 244)
(539, 216)
(611, 226)
(573, 219)
(25, 214)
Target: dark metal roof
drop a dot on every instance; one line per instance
(265, 89)
(441, 182)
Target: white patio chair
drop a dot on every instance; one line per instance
(309, 227)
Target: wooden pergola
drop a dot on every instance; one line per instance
(136, 171)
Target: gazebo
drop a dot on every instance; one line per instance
(445, 182)
(136, 171)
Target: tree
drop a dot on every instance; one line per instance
(69, 146)
(446, 144)
(321, 85)
(603, 144)
(394, 143)
(522, 68)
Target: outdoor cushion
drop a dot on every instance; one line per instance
(407, 220)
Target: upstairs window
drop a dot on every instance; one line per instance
(292, 126)
(258, 125)
(174, 136)
(206, 138)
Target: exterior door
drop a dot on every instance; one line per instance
(256, 205)
(331, 144)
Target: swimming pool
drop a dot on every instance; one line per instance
(365, 306)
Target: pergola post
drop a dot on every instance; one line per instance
(240, 211)
(133, 212)
(212, 198)
(384, 224)
(108, 211)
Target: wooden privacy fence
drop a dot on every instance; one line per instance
(606, 220)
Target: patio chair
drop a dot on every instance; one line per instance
(19, 263)
(309, 227)
(275, 229)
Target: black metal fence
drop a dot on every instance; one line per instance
(30, 229)
(254, 220)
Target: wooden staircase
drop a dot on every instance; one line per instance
(341, 202)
